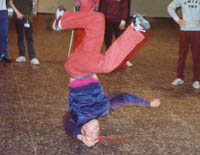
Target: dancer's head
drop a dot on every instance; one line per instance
(91, 129)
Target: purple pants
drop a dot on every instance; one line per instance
(189, 39)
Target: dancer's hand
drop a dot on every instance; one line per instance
(87, 140)
(155, 103)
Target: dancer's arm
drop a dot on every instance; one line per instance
(128, 99)
(70, 127)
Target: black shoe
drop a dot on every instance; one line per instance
(6, 60)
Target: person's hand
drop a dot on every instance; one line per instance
(20, 15)
(181, 22)
(122, 26)
(155, 103)
(198, 22)
(87, 140)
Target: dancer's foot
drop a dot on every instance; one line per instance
(139, 23)
(155, 103)
(59, 12)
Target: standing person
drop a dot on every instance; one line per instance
(3, 32)
(86, 99)
(83, 6)
(23, 20)
(189, 36)
(116, 14)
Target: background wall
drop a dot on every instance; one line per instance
(150, 8)
(49, 6)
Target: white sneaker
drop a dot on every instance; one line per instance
(177, 82)
(34, 61)
(139, 23)
(129, 64)
(196, 85)
(21, 59)
(56, 23)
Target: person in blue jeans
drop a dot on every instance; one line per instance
(87, 102)
(3, 32)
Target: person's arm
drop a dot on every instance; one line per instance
(124, 14)
(70, 127)
(35, 7)
(75, 132)
(172, 11)
(129, 99)
(18, 13)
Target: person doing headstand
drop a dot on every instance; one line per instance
(87, 100)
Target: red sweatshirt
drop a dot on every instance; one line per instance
(115, 10)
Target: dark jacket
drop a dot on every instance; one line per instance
(115, 10)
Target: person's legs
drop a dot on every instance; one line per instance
(3, 33)
(78, 38)
(108, 33)
(183, 50)
(195, 47)
(30, 42)
(117, 31)
(87, 57)
(20, 33)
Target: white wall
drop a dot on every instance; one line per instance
(150, 8)
(49, 6)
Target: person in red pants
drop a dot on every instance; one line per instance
(86, 58)
(83, 6)
(86, 99)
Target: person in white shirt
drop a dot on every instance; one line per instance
(189, 37)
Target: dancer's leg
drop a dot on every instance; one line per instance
(87, 58)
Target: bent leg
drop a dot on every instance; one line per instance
(92, 23)
(127, 99)
(86, 58)
(120, 49)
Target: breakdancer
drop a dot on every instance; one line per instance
(87, 100)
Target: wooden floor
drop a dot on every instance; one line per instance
(33, 99)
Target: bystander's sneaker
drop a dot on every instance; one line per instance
(34, 61)
(5, 59)
(139, 23)
(56, 23)
(177, 82)
(129, 64)
(21, 59)
(196, 85)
